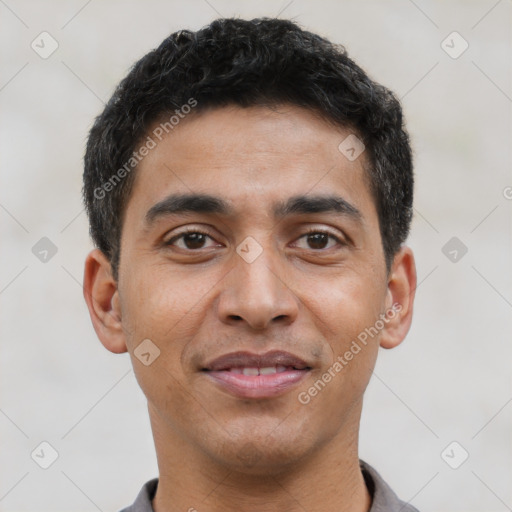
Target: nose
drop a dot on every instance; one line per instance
(257, 294)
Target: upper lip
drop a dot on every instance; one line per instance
(249, 360)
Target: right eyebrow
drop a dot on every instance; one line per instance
(181, 203)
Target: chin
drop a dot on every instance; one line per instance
(262, 456)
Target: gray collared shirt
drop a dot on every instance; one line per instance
(383, 498)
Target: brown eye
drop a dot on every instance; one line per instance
(194, 240)
(191, 240)
(318, 240)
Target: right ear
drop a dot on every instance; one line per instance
(102, 297)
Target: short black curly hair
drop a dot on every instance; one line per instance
(263, 61)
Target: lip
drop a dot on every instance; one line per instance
(291, 370)
(248, 359)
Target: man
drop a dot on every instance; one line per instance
(249, 191)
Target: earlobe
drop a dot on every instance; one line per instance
(400, 298)
(102, 297)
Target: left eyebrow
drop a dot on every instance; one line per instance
(317, 204)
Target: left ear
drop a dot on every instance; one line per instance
(399, 299)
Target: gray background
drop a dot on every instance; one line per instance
(449, 381)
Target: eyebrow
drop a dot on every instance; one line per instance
(317, 204)
(183, 203)
(205, 203)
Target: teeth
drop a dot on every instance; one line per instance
(250, 371)
(269, 370)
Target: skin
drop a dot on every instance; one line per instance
(216, 451)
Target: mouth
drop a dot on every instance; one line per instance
(247, 375)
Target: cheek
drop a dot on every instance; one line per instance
(168, 308)
(157, 301)
(344, 305)
(159, 307)
(344, 310)
(165, 392)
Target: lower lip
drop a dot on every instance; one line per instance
(257, 386)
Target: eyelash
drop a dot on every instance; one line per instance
(312, 231)
(309, 231)
(187, 231)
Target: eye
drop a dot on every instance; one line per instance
(320, 240)
(191, 240)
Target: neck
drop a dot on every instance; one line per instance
(329, 480)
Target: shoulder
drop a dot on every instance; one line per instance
(383, 497)
(143, 501)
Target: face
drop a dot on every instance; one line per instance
(251, 258)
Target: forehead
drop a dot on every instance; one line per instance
(253, 158)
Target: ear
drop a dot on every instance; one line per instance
(399, 299)
(102, 297)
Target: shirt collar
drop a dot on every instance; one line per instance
(383, 497)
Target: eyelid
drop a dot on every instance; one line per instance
(185, 231)
(340, 241)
